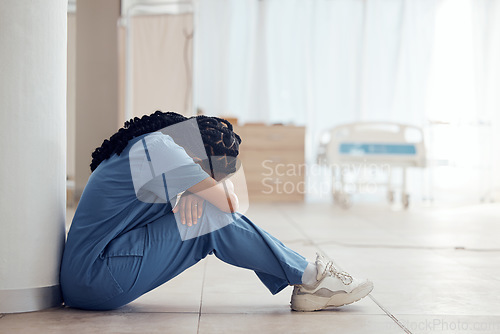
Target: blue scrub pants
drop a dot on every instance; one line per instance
(240, 243)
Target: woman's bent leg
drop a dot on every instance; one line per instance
(239, 242)
(246, 245)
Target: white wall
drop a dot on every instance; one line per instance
(33, 147)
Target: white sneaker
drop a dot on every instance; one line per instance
(333, 288)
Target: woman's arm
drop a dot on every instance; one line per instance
(219, 194)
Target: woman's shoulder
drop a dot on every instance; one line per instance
(156, 140)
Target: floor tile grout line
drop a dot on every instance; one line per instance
(468, 249)
(301, 231)
(430, 248)
(266, 313)
(433, 249)
(399, 323)
(155, 312)
(299, 228)
(201, 297)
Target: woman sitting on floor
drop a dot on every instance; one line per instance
(155, 205)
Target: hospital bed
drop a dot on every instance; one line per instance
(375, 145)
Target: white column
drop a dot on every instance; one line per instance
(33, 152)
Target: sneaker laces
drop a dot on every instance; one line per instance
(341, 275)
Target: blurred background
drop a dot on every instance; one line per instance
(288, 74)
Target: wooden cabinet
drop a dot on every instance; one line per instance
(273, 162)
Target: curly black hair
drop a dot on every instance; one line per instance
(220, 141)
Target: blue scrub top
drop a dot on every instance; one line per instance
(123, 194)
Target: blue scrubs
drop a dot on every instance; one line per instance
(125, 241)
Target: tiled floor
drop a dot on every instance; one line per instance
(434, 270)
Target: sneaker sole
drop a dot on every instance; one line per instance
(309, 303)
